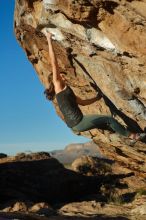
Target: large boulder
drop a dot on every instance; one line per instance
(37, 177)
(88, 165)
(104, 40)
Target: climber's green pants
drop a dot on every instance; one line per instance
(101, 122)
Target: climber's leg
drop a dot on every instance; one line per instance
(100, 121)
(116, 126)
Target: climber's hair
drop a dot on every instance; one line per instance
(50, 92)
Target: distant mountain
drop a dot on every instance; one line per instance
(73, 151)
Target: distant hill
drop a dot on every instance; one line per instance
(73, 151)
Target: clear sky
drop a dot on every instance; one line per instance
(27, 120)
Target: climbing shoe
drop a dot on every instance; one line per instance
(137, 137)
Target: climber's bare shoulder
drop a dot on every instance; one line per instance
(59, 86)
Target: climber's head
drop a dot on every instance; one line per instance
(50, 91)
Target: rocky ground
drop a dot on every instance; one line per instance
(30, 192)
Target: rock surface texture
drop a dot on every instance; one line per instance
(106, 39)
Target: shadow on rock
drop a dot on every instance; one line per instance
(33, 217)
(43, 180)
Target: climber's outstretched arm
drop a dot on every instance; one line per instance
(57, 80)
(88, 101)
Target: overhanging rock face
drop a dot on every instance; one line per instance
(106, 39)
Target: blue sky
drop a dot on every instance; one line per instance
(27, 120)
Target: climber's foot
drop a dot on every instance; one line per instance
(137, 137)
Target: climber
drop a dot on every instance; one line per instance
(69, 103)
